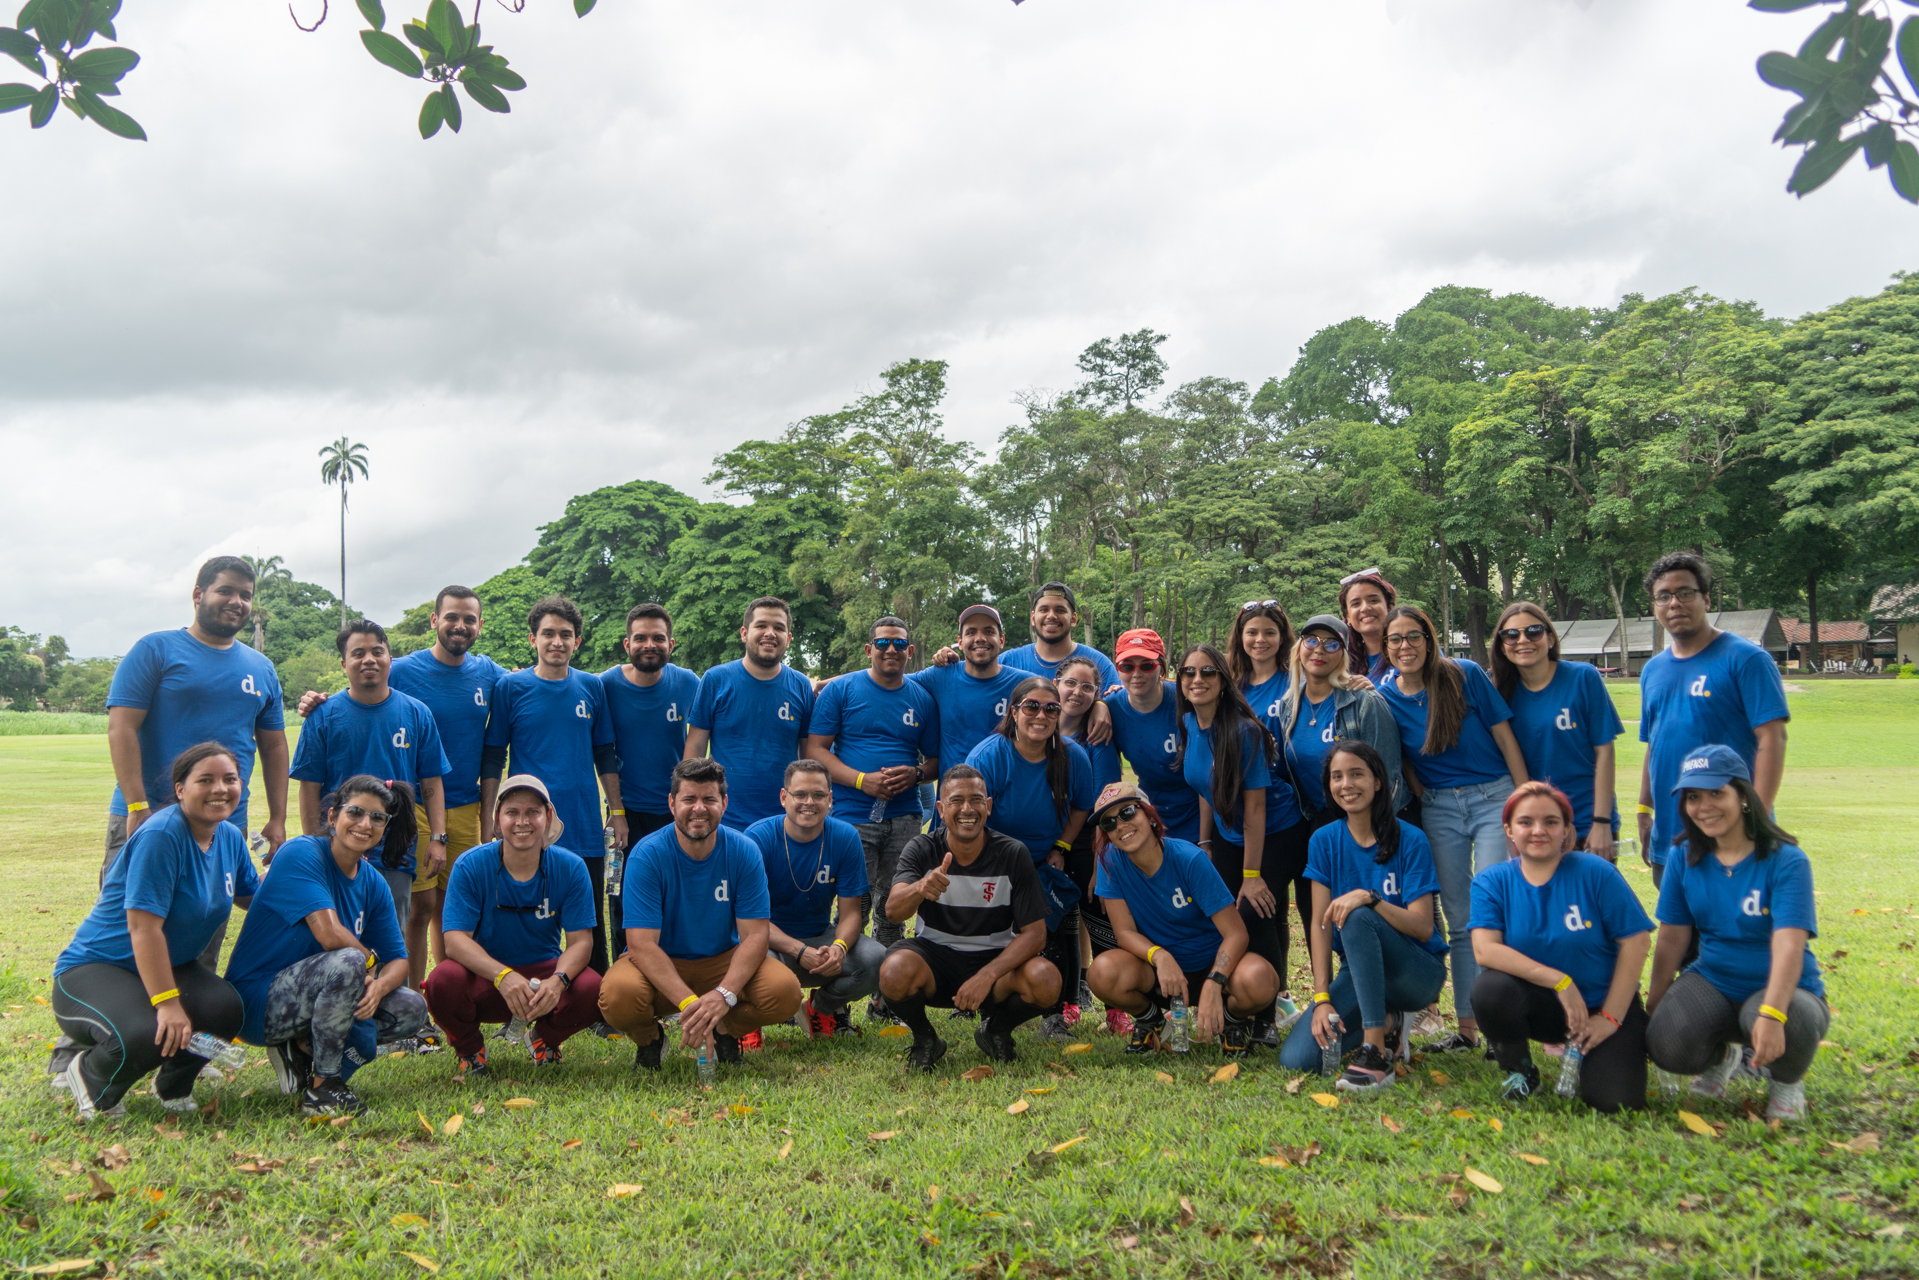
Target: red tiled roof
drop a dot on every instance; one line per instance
(1798, 631)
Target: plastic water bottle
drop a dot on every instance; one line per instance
(612, 863)
(1179, 1031)
(878, 812)
(1329, 1054)
(217, 1052)
(707, 1071)
(515, 1032)
(1568, 1086)
(1670, 1085)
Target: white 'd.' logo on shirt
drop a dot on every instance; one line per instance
(229, 884)
(399, 739)
(1750, 904)
(1575, 921)
(579, 709)
(719, 892)
(1564, 720)
(1390, 886)
(908, 719)
(786, 712)
(999, 708)
(544, 912)
(1172, 744)
(1698, 688)
(479, 697)
(247, 686)
(1180, 899)
(359, 924)
(1327, 734)
(825, 876)
(672, 713)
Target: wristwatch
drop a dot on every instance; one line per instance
(1217, 976)
(565, 977)
(438, 837)
(1376, 899)
(727, 996)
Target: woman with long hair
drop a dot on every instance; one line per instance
(321, 962)
(1454, 732)
(129, 990)
(1041, 786)
(1364, 598)
(1373, 885)
(1560, 940)
(1746, 888)
(1563, 720)
(1084, 928)
(1229, 757)
(1180, 936)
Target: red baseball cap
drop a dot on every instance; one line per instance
(1142, 642)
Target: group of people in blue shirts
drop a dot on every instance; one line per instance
(746, 847)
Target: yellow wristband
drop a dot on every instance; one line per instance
(1767, 1011)
(165, 996)
(859, 782)
(136, 806)
(687, 1001)
(1645, 809)
(1149, 954)
(1249, 875)
(1565, 980)
(617, 813)
(837, 942)
(1063, 846)
(500, 977)
(372, 958)
(1320, 997)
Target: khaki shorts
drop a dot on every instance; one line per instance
(462, 833)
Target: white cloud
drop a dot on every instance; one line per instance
(703, 221)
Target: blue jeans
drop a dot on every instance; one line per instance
(1385, 972)
(1462, 825)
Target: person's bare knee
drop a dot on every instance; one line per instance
(1116, 977)
(1037, 982)
(904, 975)
(1252, 986)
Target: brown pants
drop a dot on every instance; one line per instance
(629, 1002)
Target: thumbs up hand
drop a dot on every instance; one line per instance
(935, 882)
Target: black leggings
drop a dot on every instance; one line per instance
(1265, 937)
(1286, 856)
(105, 1009)
(1695, 1022)
(1512, 1011)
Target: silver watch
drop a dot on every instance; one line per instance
(728, 996)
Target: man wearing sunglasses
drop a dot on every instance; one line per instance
(1055, 614)
(518, 911)
(872, 730)
(1710, 686)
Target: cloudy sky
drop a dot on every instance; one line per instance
(702, 221)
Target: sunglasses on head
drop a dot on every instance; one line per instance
(1532, 632)
(1207, 672)
(1250, 605)
(1029, 707)
(1328, 644)
(1130, 665)
(1125, 813)
(891, 642)
(354, 813)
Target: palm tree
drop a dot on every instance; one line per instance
(265, 572)
(338, 463)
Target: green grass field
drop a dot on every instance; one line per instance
(829, 1160)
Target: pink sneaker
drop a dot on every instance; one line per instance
(750, 1042)
(1071, 1014)
(1119, 1022)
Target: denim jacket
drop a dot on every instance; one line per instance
(1358, 715)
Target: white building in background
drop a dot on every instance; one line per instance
(1596, 640)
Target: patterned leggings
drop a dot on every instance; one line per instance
(314, 1000)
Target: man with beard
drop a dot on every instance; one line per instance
(1055, 614)
(754, 714)
(553, 720)
(377, 730)
(176, 689)
(971, 696)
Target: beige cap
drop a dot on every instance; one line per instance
(527, 782)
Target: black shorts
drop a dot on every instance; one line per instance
(1194, 978)
(951, 967)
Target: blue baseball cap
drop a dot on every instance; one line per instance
(1710, 768)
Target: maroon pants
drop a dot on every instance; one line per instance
(461, 1000)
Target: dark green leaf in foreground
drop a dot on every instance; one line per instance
(1904, 170)
(15, 96)
(390, 51)
(375, 15)
(450, 105)
(432, 114)
(485, 94)
(104, 64)
(1821, 161)
(44, 103)
(112, 119)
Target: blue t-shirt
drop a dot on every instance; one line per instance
(1472, 760)
(874, 728)
(1336, 860)
(1026, 658)
(1574, 922)
(650, 727)
(519, 922)
(1150, 743)
(459, 698)
(1022, 799)
(970, 708)
(694, 903)
(396, 738)
(1174, 907)
(303, 879)
(164, 872)
(194, 693)
(1315, 730)
(1255, 774)
(1720, 695)
(804, 879)
(1735, 909)
(552, 728)
(1105, 760)
(1561, 727)
(757, 727)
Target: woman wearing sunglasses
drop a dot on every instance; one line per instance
(1083, 931)
(1179, 933)
(1563, 720)
(1041, 784)
(1453, 726)
(1364, 598)
(129, 990)
(1326, 703)
(321, 963)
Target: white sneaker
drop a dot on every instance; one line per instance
(1711, 1083)
(77, 1086)
(182, 1105)
(1786, 1101)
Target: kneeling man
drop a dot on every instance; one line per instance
(813, 862)
(696, 914)
(518, 916)
(982, 927)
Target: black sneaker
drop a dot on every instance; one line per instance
(1147, 1028)
(430, 1042)
(1455, 1042)
(726, 1048)
(474, 1068)
(544, 1054)
(925, 1053)
(876, 1011)
(331, 1097)
(1521, 1084)
(1368, 1072)
(1236, 1037)
(994, 1041)
(285, 1074)
(648, 1055)
(963, 1013)
(1085, 997)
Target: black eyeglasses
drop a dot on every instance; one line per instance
(1125, 813)
(1329, 644)
(1684, 595)
(539, 888)
(1032, 708)
(1405, 638)
(1532, 632)
(1207, 672)
(892, 642)
(354, 813)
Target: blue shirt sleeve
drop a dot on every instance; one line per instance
(1321, 850)
(701, 717)
(309, 754)
(461, 910)
(1762, 690)
(803, 692)
(1602, 717)
(1484, 695)
(1620, 914)
(272, 714)
(1258, 774)
(602, 713)
(1792, 903)
(754, 902)
(1672, 907)
(499, 719)
(246, 879)
(930, 730)
(153, 872)
(433, 762)
(1418, 875)
(1489, 906)
(576, 901)
(1103, 886)
(643, 904)
(851, 856)
(1079, 778)
(827, 711)
(382, 932)
(1210, 891)
(137, 676)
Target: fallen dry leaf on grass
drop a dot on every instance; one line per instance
(571, 1144)
(170, 1134)
(1059, 1068)
(1046, 1090)
(1530, 1158)
(927, 1239)
(1129, 1242)
(113, 1158)
(621, 1190)
(1485, 1182)
(1019, 1108)
(408, 1220)
(1326, 1099)
(1292, 1157)
(155, 1194)
(891, 1030)
(785, 1151)
(1162, 1077)
(740, 1109)
(1392, 1125)
(1292, 1086)
(1225, 1073)
(338, 1122)
(424, 1122)
(933, 1194)
(519, 1104)
(1460, 1113)
(1499, 1126)
(1895, 1229)
(421, 1260)
(1459, 1195)
(884, 1135)
(1440, 1077)
(1070, 1142)
(1697, 1125)
(977, 1074)
(62, 1268)
(98, 1190)
(1187, 1215)
(1077, 1048)
(1274, 1162)
(452, 1125)
(1858, 1146)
